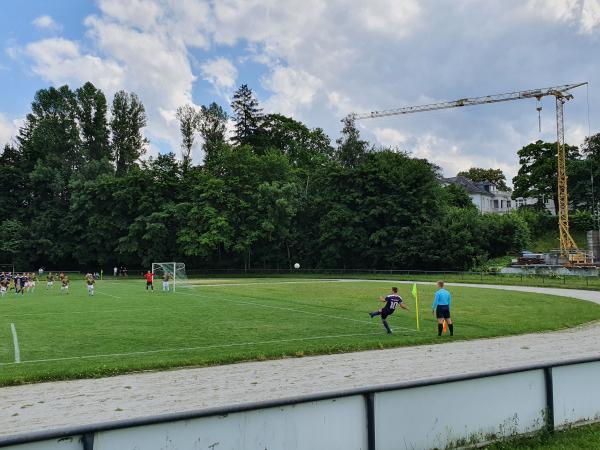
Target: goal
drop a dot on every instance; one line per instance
(7, 268)
(175, 270)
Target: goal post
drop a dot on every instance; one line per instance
(7, 268)
(174, 270)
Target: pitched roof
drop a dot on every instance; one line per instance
(469, 186)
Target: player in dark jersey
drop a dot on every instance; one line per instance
(392, 301)
(49, 280)
(20, 283)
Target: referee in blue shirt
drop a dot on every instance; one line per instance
(441, 308)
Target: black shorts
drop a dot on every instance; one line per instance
(148, 283)
(385, 312)
(442, 312)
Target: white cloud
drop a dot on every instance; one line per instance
(575, 134)
(60, 61)
(320, 60)
(156, 66)
(220, 72)
(181, 20)
(389, 137)
(590, 15)
(448, 154)
(583, 13)
(140, 14)
(8, 130)
(292, 90)
(428, 146)
(47, 23)
(389, 17)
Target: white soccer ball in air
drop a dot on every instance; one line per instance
(297, 266)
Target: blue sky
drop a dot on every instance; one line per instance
(317, 61)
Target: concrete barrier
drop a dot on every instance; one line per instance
(436, 413)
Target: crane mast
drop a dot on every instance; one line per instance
(568, 247)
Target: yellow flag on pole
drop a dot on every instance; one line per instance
(416, 296)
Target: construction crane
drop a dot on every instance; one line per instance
(568, 247)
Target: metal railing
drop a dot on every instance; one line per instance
(86, 433)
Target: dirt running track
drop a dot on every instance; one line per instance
(43, 406)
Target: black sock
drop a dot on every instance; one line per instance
(440, 329)
(387, 327)
(375, 313)
(451, 328)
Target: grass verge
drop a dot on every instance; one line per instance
(581, 438)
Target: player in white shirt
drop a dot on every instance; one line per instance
(166, 278)
(90, 281)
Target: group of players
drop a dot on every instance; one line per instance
(20, 283)
(26, 282)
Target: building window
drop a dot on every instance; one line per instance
(508, 204)
(496, 204)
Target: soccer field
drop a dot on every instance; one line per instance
(125, 328)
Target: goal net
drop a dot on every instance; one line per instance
(174, 272)
(7, 268)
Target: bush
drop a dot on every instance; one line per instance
(582, 221)
(505, 234)
(538, 220)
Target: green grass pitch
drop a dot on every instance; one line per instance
(124, 328)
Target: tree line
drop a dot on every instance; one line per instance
(76, 193)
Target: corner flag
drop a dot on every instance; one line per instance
(416, 296)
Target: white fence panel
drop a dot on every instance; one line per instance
(66, 443)
(325, 424)
(456, 413)
(576, 393)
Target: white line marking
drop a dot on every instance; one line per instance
(192, 285)
(299, 311)
(110, 295)
(16, 344)
(186, 349)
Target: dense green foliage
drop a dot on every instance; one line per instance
(75, 194)
(125, 328)
(537, 176)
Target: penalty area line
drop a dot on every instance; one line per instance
(188, 349)
(13, 329)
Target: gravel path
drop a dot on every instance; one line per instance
(69, 403)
